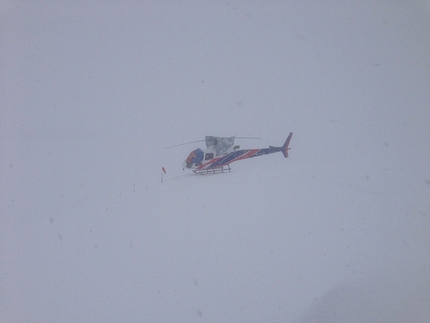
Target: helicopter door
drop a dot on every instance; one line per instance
(209, 156)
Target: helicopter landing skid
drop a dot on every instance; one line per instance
(213, 170)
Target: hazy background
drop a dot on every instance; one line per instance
(92, 92)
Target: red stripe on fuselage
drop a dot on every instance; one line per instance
(207, 165)
(248, 154)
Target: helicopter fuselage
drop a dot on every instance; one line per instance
(199, 161)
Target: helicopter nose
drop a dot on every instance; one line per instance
(186, 164)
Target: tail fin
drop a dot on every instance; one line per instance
(286, 144)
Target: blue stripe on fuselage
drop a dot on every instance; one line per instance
(228, 158)
(236, 154)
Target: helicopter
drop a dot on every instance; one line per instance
(221, 152)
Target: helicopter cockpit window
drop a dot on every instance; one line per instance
(209, 156)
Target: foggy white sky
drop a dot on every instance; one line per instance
(91, 93)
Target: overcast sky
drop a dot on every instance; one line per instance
(92, 92)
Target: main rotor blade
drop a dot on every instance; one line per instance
(191, 142)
